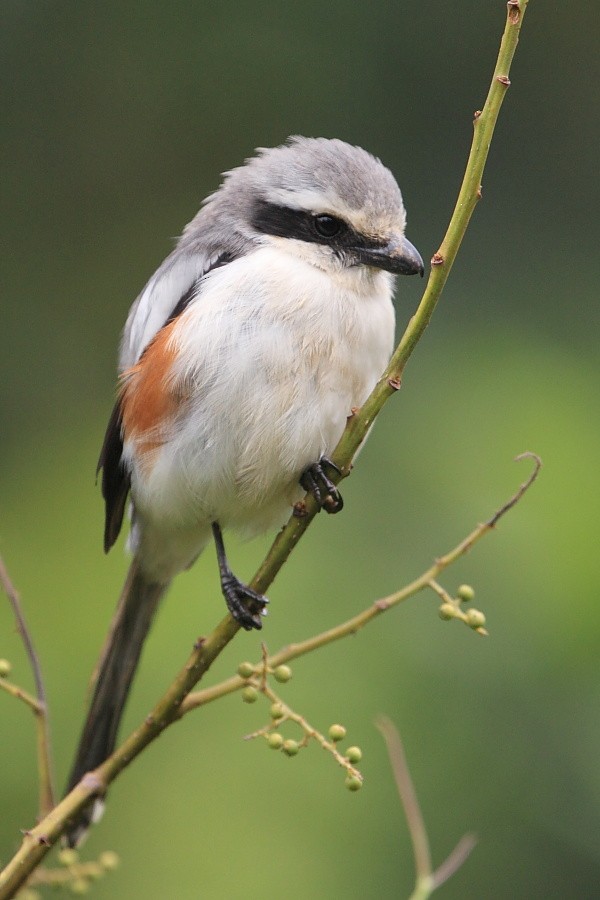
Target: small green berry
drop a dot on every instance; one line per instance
(68, 856)
(337, 733)
(245, 670)
(275, 741)
(250, 694)
(109, 859)
(79, 886)
(276, 711)
(465, 593)
(353, 783)
(475, 618)
(94, 870)
(5, 668)
(353, 754)
(447, 612)
(290, 747)
(282, 674)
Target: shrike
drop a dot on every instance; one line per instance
(240, 362)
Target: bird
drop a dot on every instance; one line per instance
(240, 362)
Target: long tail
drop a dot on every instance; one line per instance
(114, 674)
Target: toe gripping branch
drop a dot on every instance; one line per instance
(245, 605)
(315, 481)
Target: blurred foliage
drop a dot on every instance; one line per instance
(117, 119)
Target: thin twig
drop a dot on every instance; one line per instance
(408, 797)
(426, 881)
(20, 694)
(354, 624)
(287, 714)
(14, 600)
(525, 486)
(46, 790)
(454, 861)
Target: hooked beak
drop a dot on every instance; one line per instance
(397, 256)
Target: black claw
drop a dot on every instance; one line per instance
(315, 481)
(244, 604)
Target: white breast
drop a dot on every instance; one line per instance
(277, 353)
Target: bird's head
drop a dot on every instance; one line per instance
(332, 204)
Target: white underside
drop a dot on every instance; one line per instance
(276, 352)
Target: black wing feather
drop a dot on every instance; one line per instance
(115, 478)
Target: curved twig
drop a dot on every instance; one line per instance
(39, 707)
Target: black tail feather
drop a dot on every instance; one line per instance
(114, 675)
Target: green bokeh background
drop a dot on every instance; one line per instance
(116, 121)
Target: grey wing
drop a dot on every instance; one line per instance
(174, 280)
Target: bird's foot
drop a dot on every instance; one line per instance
(245, 605)
(315, 481)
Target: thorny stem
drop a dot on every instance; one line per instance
(37, 842)
(37, 705)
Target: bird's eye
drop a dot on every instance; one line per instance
(327, 226)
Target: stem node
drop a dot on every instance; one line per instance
(514, 11)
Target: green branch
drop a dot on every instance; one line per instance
(358, 426)
(351, 626)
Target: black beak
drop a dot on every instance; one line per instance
(397, 256)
